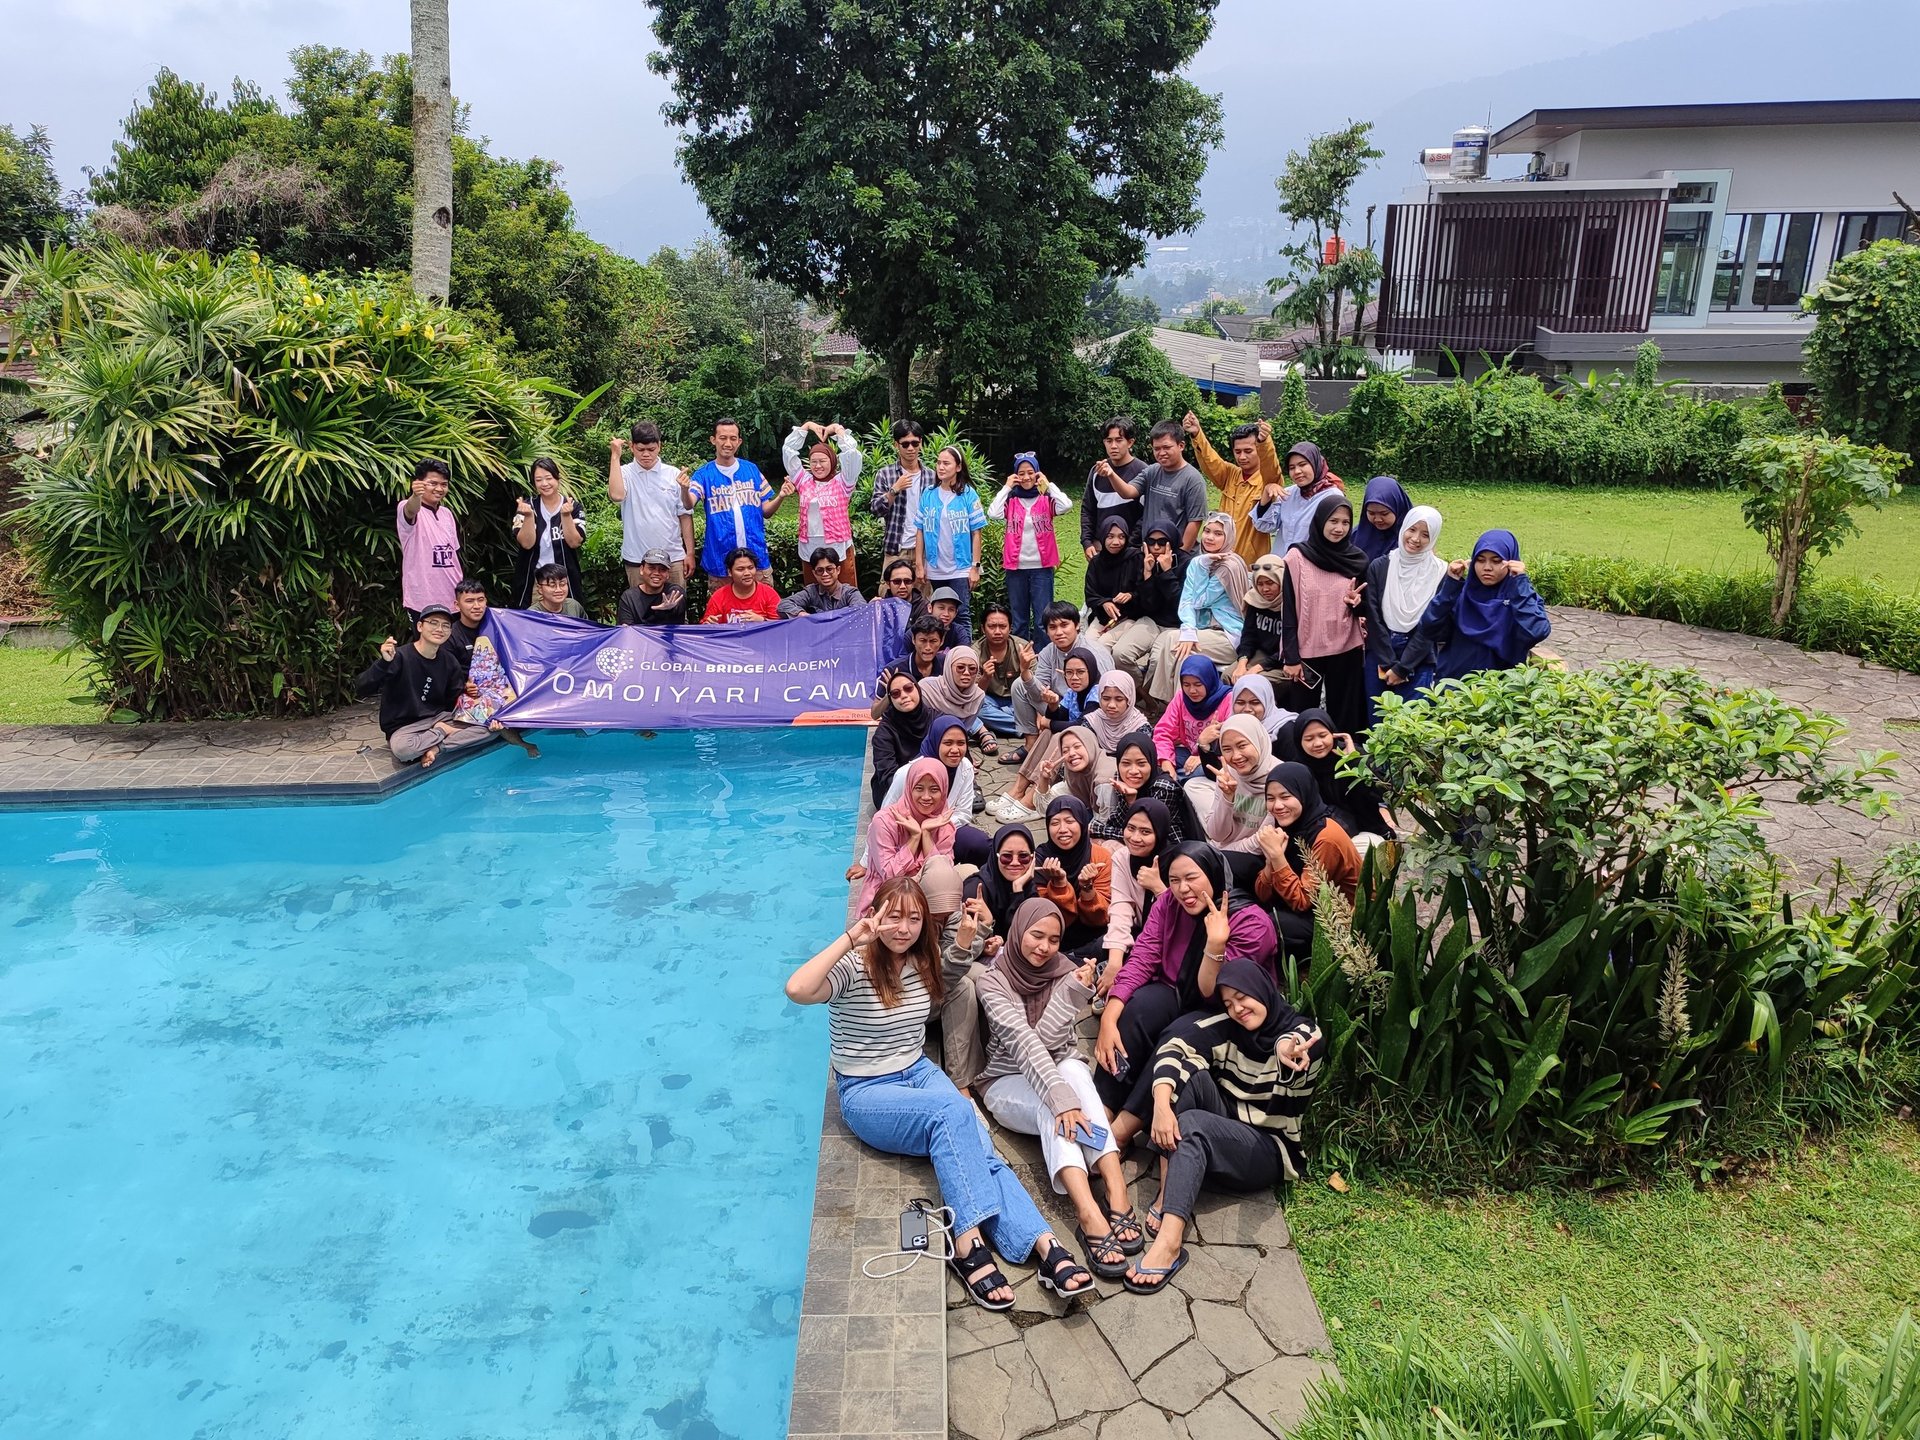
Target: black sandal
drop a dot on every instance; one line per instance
(988, 1280)
(1058, 1268)
(988, 745)
(1104, 1253)
(1123, 1221)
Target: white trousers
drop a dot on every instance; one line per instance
(1012, 1101)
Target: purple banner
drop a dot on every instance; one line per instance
(555, 673)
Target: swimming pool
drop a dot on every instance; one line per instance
(477, 1112)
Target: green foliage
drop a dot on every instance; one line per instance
(1583, 950)
(945, 177)
(1544, 1379)
(1314, 190)
(1852, 617)
(217, 524)
(721, 302)
(1111, 311)
(32, 209)
(1800, 491)
(1864, 353)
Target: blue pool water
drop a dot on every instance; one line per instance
(477, 1112)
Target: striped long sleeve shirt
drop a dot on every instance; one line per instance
(1015, 1047)
(868, 1038)
(1261, 1093)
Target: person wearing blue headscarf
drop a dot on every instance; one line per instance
(1383, 510)
(1193, 718)
(1486, 615)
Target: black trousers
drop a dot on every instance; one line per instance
(1215, 1148)
(1296, 930)
(1147, 1014)
(1345, 678)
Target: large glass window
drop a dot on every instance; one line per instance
(1763, 261)
(1683, 254)
(1859, 231)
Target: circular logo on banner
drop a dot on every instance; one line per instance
(614, 663)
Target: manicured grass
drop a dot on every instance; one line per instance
(37, 687)
(1831, 1240)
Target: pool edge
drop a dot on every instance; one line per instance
(870, 1358)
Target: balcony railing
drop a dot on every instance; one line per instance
(1472, 274)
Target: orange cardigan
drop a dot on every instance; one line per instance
(1282, 884)
(1088, 906)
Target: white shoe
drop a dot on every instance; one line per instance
(1012, 811)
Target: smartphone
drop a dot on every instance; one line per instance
(1090, 1135)
(913, 1229)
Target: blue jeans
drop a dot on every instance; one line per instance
(1029, 592)
(999, 716)
(962, 631)
(916, 1111)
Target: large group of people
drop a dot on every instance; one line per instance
(1188, 751)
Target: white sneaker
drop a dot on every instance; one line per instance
(1012, 811)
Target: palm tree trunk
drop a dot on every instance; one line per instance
(432, 151)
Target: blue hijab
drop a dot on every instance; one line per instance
(1483, 613)
(930, 747)
(1209, 675)
(1381, 490)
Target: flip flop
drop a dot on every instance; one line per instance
(1154, 1216)
(1120, 1220)
(1131, 1282)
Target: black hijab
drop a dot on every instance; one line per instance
(1249, 979)
(1164, 845)
(1297, 780)
(1074, 860)
(1344, 558)
(1214, 866)
(909, 727)
(1109, 575)
(995, 888)
(1092, 662)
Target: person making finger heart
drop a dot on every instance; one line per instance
(1322, 595)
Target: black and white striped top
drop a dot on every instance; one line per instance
(1261, 1093)
(867, 1038)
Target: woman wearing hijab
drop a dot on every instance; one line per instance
(1116, 715)
(947, 743)
(1298, 825)
(1286, 513)
(1085, 769)
(1222, 1103)
(1310, 739)
(1230, 806)
(1210, 603)
(1007, 877)
(1193, 719)
(899, 735)
(1322, 596)
(1073, 872)
(911, 831)
(1078, 676)
(1035, 1082)
(1253, 696)
(881, 981)
(956, 691)
(1400, 586)
(1141, 857)
(1174, 965)
(1261, 643)
(1486, 615)
(1137, 776)
(1383, 510)
(1112, 580)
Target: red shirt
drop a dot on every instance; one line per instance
(727, 608)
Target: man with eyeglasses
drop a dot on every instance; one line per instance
(896, 496)
(898, 585)
(1153, 607)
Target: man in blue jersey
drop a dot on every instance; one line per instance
(738, 500)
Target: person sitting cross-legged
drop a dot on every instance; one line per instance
(1221, 1102)
(418, 684)
(826, 593)
(655, 600)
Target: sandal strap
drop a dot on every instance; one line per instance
(987, 1283)
(1060, 1265)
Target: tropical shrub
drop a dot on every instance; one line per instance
(1864, 353)
(216, 523)
(1584, 945)
(1799, 494)
(1853, 617)
(1542, 1379)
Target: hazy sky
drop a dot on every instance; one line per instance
(567, 79)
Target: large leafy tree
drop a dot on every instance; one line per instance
(947, 176)
(31, 206)
(1314, 191)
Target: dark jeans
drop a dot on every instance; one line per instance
(1143, 1020)
(1215, 1148)
(1029, 592)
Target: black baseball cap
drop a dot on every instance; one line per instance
(427, 612)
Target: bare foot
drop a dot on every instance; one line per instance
(426, 760)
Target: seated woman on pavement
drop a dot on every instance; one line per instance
(1075, 874)
(1042, 762)
(956, 691)
(1192, 721)
(1138, 776)
(911, 831)
(1221, 1102)
(946, 742)
(1140, 859)
(899, 735)
(1174, 964)
(1311, 739)
(1036, 1083)
(882, 980)
(1300, 835)
(1231, 806)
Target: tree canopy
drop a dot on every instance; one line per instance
(31, 206)
(944, 176)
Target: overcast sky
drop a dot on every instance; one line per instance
(567, 79)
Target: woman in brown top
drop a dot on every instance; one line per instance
(1298, 825)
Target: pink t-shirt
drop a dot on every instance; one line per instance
(429, 557)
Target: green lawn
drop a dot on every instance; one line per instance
(37, 687)
(1701, 530)
(1831, 1240)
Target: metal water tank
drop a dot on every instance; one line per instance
(1436, 161)
(1470, 152)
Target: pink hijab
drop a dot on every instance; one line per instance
(893, 828)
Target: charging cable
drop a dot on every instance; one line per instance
(917, 1222)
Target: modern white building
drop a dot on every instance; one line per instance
(1696, 226)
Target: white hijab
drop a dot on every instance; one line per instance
(1412, 579)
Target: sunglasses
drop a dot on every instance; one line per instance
(1015, 857)
(1159, 544)
(907, 444)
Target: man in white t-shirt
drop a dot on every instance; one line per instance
(656, 507)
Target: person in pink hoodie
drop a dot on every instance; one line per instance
(1193, 718)
(1029, 553)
